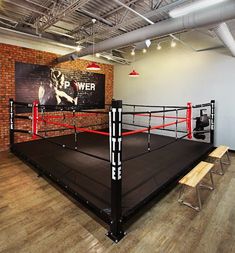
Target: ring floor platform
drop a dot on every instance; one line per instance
(90, 177)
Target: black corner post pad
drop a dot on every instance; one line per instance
(116, 232)
(212, 125)
(11, 121)
(116, 103)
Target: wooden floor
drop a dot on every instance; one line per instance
(35, 217)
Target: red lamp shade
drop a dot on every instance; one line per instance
(133, 73)
(93, 66)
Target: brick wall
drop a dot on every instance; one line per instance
(8, 56)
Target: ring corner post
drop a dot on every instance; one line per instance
(12, 122)
(116, 232)
(35, 119)
(189, 119)
(212, 125)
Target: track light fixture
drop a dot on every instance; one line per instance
(173, 43)
(133, 52)
(78, 48)
(159, 47)
(108, 57)
(144, 50)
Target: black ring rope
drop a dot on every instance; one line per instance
(156, 106)
(163, 129)
(152, 150)
(53, 130)
(75, 150)
(160, 111)
(78, 109)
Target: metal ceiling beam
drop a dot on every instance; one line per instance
(37, 4)
(124, 24)
(88, 24)
(30, 31)
(37, 38)
(135, 12)
(8, 19)
(209, 16)
(97, 17)
(24, 7)
(156, 4)
(58, 13)
(93, 15)
(119, 8)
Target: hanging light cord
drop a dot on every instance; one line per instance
(93, 37)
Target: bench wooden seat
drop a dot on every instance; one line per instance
(218, 154)
(193, 179)
(196, 174)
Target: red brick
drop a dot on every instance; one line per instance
(8, 56)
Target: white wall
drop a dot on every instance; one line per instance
(176, 76)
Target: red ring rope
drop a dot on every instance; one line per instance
(107, 134)
(43, 119)
(154, 127)
(77, 128)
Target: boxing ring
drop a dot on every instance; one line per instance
(114, 168)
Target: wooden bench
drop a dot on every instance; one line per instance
(193, 179)
(218, 154)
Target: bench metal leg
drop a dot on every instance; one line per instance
(222, 167)
(221, 172)
(181, 193)
(212, 181)
(199, 207)
(199, 197)
(228, 159)
(226, 162)
(209, 187)
(181, 201)
(223, 163)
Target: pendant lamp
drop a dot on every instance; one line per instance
(133, 73)
(92, 65)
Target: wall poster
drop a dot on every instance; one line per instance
(56, 86)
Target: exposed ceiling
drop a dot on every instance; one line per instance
(69, 22)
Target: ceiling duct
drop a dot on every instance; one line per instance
(223, 33)
(210, 16)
